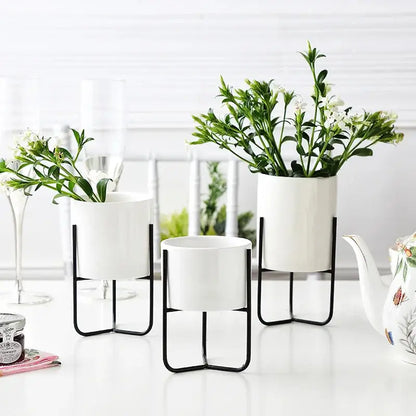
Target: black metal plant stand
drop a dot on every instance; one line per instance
(292, 318)
(205, 364)
(114, 328)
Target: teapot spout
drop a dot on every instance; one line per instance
(373, 291)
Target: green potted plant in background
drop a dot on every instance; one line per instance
(212, 217)
(297, 200)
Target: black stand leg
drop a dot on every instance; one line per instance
(114, 328)
(292, 318)
(205, 365)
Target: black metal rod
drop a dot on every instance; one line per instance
(248, 324)
(114, 305)
(75, 290)
(114, 328)
(151, 292)
(165, 321)
(291, 291)
(204, 338)
(291, 295)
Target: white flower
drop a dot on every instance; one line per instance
(300, 105)
(354, 119)
(336, 118)
(24, 142)
(5, 177)
(95, 176)
(277, 88)
(389, 115)
(332, 102)
(328, 89)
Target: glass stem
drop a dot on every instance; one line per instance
(105, 286)
(18, 200)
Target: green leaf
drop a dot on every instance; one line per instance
(399, 266)
(338, 141)
(322, 75)
(309, 124)
(405, 271)
(56, 197)
(85, 186)
(296, 168)
(362, 152)
(71, 185)
(411, 261)
(300, 150)
(38, 172)
(288, 139)
(53, 171)
(3, 166)
(77, 136)
(102, 188)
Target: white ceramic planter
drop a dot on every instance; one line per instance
(207, 273)
(298, 215)
(113, 237)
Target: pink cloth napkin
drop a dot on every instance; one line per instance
(34, 360)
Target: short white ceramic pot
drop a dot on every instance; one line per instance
(298, 215)
(206, 273)
(113, 237)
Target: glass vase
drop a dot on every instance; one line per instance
(19, 110)
(103, 118)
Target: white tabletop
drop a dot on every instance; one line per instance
(345, 368)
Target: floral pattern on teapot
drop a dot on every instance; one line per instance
(404, 290)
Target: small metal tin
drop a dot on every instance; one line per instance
(12, 348)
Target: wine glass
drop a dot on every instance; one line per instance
(19, 110)
(103, 118)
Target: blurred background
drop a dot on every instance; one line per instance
(171, 55)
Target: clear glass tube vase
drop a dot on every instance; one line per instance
(18, 201)
(19, 110)
(103, 118)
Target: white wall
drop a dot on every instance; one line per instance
(172, 53)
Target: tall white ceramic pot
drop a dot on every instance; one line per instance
(298, 215)
(206, 273)
(113, 236)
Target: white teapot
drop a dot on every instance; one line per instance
(391, 311)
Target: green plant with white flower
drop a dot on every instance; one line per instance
(43, 162)
(258, 132)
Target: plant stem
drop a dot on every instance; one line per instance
(318, 159)
(282, 129)
(311, 141)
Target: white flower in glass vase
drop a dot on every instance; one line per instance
(24, 142)
(5, 177)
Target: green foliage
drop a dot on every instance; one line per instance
(243, 221)
(255, 132)
(174, 225)
(53, 167)
(216, 188)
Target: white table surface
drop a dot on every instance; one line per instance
(345, 368)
